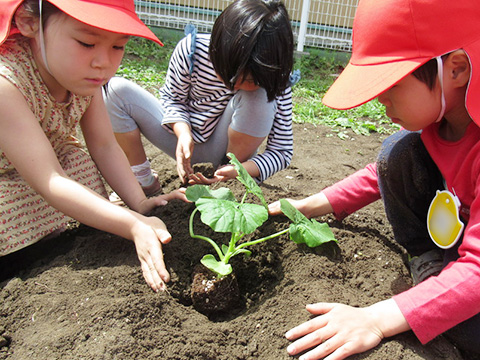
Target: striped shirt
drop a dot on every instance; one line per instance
(193, 94)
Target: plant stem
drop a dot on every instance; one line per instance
(231, 246)
(244, 197)
(207, 239)
(253, 242)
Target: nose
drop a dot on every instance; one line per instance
(101, 59)
(384, 99)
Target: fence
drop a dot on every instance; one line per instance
(324, 24)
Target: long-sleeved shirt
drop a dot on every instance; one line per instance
(195, 95)
(441, 302)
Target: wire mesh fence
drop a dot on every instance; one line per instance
(324, 24)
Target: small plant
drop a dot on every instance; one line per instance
(223, 213)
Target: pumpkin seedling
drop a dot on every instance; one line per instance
(221, 211)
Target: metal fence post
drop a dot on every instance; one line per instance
(303, 25)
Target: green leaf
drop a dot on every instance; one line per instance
(230, 216)
(291, 212)
(216, 266)
(303, 230)
(196, 192)
(312, 233)
(245, 178)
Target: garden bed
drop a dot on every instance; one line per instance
(82, 295)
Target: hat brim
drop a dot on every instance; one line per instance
(109, 18)
(8, 9)
(358, 84)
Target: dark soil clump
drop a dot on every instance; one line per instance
(214, 295)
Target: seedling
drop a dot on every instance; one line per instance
(221, 211)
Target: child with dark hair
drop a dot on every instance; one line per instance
(245, 41)
(421, 58)
(55, 56)
(224, 92)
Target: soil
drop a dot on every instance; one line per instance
(82, 295)
(215, 296)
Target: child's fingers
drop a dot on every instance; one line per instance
(307, 335)
(165, 198)
(163, 235)
(199, 178)
(274, 208)
(305, 328)
(320, 308)
(152, 276)
(155, 260)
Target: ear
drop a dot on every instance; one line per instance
(26, 22)
(457, 66)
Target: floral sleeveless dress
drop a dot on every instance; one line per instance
(25, 217)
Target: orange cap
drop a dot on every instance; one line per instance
(392, 38)
(117, 16)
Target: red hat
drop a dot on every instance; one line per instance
(117, 16)
(392, 38)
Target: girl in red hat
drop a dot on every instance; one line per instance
(55, 57)
(421, 58)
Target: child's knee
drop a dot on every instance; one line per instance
(396, 150)
(117, 88)
(252, 113)
(251, 98)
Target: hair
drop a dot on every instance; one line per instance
(427, 73)
(253, 38)
(48, 9)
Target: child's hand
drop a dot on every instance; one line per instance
(224, 173)
(183, 156)
(312, 206)
(338, 330)
(161, 200)
(274, 208)
(199, 178)
(149, 235)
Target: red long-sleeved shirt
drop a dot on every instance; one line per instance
(440, 302)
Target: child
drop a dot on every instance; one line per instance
(224, 92)
(421, 58)
(55, 56)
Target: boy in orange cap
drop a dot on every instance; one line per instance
(55, 57)
(421, 58)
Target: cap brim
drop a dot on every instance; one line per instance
(8, 9)
(358, 84)
(105, 17)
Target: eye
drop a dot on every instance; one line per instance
(85, 44)
(119, 48)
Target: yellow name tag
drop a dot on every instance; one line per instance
(443, 221)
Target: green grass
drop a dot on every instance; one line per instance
(146, 63)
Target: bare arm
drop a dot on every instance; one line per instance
(27, 147)
(312, 206)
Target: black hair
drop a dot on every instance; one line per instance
(427, 73)
(253, 38)
(48, 9)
